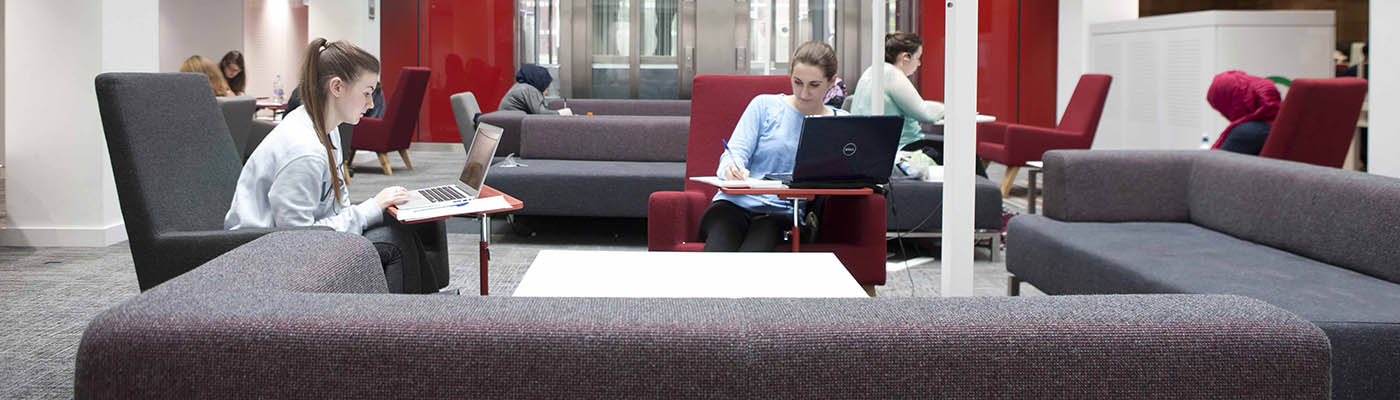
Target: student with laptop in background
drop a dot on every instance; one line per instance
(293, 179)
(765, 143)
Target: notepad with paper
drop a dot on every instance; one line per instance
(474, 206)
(747, 183)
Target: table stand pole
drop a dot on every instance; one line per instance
(485, 250)
(796, 227)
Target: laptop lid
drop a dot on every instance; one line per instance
(483, 148)
(847, 149)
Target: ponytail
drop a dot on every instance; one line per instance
(325, 61)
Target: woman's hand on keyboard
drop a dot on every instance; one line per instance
(390, 196)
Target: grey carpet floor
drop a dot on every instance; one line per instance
(50, 294)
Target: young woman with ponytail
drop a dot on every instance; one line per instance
(292, 178)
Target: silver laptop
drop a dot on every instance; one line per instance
(483, 148)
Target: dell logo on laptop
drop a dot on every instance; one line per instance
(849, 150)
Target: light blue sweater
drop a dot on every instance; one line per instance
(764, 142)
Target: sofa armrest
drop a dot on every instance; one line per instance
(992, 132)
(1118, 185)
(673, 218)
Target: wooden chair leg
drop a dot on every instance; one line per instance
(384, 163)
(1009, 179)
(404, 155)
(345, 173)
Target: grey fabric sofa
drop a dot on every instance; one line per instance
(238, 115)
(601, 166)
(303, 315)
(599, 107)
(1319, 242)
(914, 208)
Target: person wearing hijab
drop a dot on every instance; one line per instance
(531, 85)
(1250, 103)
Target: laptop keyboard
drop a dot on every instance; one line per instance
(440, 194)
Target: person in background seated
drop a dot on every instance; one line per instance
(902, 57)
(232, 67)
(765, 142)
(198, 63)
(293, 179)
(1250, 103)
(531, 85)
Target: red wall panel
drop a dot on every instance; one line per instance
(468, 45)
(1015, 43)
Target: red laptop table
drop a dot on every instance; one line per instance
(485, 217)
(794, 195)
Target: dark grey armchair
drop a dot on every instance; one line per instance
(238, 114)
(175, 167)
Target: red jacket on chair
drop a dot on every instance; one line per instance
(395, 131)
(852, 227)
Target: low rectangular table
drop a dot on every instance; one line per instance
(569, 273)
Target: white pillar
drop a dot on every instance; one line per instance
(58, 184)
(960, 138)
(877, 54)
(1384, 130)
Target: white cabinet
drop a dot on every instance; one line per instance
(1162, 66)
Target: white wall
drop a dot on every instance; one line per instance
(1075, 18)
(208, 28)
(274, 37)
(58, 185)
(1384, 131)
(344, 20)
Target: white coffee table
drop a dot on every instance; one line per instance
(569, 273)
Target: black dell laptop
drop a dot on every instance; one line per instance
(843, 152)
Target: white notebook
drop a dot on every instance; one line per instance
(747, 183)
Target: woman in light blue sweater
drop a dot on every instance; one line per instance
(292, 179)
(765, 143)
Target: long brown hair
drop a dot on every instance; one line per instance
(240, 81)
(198, 63)
(325, 61)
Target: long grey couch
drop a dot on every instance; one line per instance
(601, 166)
(1320, 242)
(304, 315)
(510, 121)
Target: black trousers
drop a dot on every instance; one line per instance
(727, 227)
(414, 256)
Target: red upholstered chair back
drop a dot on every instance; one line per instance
(1316, 122)
(716, 103)
(404, 105)
(1086, 106)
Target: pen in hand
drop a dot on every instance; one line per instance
(732, 161)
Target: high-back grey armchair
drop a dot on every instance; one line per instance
(465, 109)
(175, 167)
(238, 114)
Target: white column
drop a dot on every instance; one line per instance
(1384, 131)
(1073, 48)
(877, 53)
(58, 185)
(960, 138)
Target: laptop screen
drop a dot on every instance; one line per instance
(483, 148)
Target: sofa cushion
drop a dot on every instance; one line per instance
(1343, 218)
(587, 188)
(509, 121)
(1165, 257)
(618, 138)
(915, 205)
(654, 107)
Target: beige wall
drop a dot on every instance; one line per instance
(208, 28)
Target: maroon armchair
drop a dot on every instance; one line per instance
(1316, 122)
(394, 132)
(1013, 144)
(852, 227)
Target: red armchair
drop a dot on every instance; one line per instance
(395, 131)
(1316, 122)
(852, 227)
(1013, 144)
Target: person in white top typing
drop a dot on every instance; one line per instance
(292, 179)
